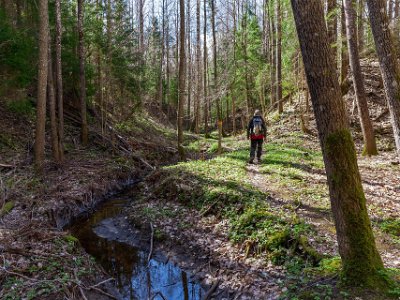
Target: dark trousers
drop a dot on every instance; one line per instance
(256, 145)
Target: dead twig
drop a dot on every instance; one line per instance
(212, 290)
(82, 293)
(151, 243)
(103, 282)
(202, 214)
(102, 292)
(6, 166)
(18, 274)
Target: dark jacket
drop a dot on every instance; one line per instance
(250, 129)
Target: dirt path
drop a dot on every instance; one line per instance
(381, 184)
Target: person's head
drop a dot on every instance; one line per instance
(257, 112)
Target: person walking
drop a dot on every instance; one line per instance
(256, 132)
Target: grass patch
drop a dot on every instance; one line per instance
(295, 171)
(221, 187)
(22, 107)
(391, 226)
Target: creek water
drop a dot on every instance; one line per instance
(119, 254)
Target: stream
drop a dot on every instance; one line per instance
(109, 238)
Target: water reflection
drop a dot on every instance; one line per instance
(135, 278)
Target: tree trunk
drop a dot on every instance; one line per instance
(205, 56)
(358, 81)
(273, 58)
(189, 65)
(388, 62)
(332, 25)
(344, 70)
(182, 67)
(219, 114)
(82, 79)
(141, 26)
(160, 79)
(360, 26)
(42, 85)
(361, 260)
(198, 67)
(279, 56)
(390, 10)
(59, 81)
(52, 107)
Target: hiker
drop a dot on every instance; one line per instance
(256, 132)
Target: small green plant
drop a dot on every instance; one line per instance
(21, 107)
(391, 226)
(7, 207)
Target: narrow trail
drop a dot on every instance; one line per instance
(378, 191)
(279, 200)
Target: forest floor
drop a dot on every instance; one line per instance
(37, 258)
(266, 231)
(260, 231)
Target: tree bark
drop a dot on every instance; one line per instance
(358, 81)
(188, 65)
(388, 63)
(360, 26)
(361, 260)
(198, 67)
(273, 57)
(219, 114)
(332, 25)
(42, 86)
(182, 69)
(59, 81)
(344, 70)
(279, 56)
(205, 58)
(141, 26)
(82, 79)
(52, 107)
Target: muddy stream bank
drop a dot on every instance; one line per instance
(123, 252)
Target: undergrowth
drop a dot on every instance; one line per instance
(221, 187)
(61, 268)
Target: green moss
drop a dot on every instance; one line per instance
(70, 239)
(391, 226)
(369, 153)
(7, 207)
(361, 260)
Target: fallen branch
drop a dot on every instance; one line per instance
(6, 166)
(382, 115)
(19, 275)
(82, 293)
(151, 243)
(208, 208)
(211, 290)
(102, 292)
(103, 282)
